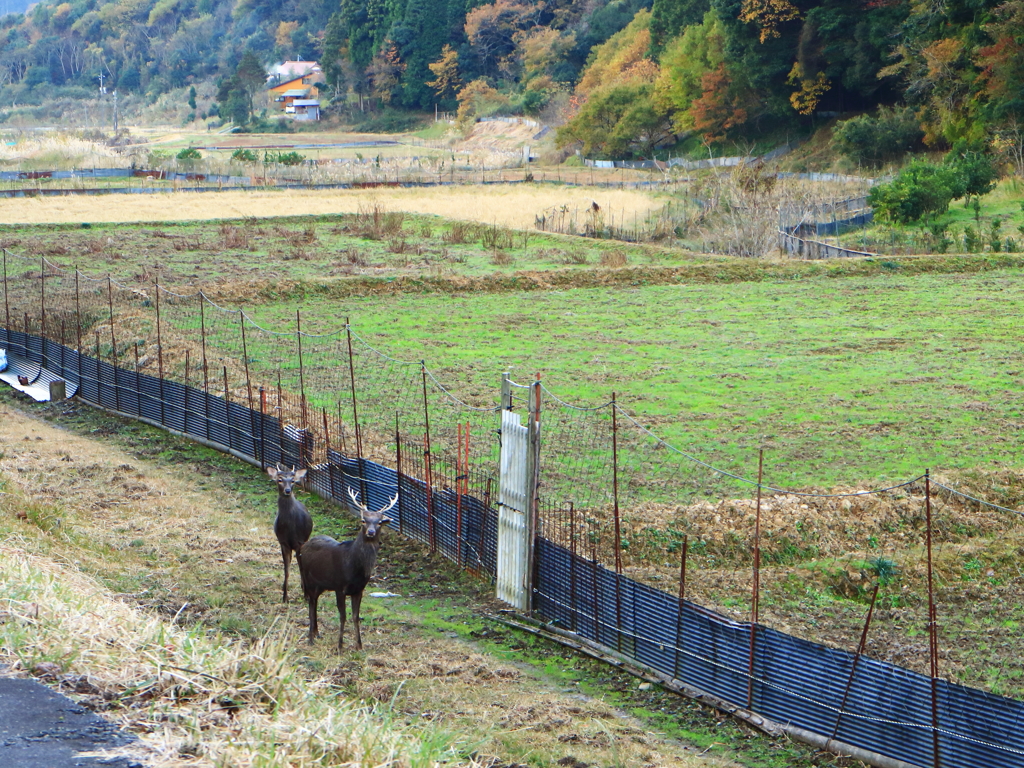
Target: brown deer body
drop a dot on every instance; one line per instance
(293, 525)
(344, 568)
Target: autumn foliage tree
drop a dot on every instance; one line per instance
(446, 82)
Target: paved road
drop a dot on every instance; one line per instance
(43, 729)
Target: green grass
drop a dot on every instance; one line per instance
(841, 381)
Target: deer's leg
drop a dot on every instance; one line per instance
(340, 594)
(356, 600)
(286, 555)
(312, 598)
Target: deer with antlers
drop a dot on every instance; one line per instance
(342, 567)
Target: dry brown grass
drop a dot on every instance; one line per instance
(512, 206)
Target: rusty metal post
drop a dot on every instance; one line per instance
(682, 603)
(754, 603)
(186, 405)
(159, 347)
(426, 460)
(245, 357)
(78, 315)
(327, 445)
(856, 660)
(618, 534)
(459, 470)
(42, 302)
(302, 377)
(248, 380)
(355, 411)
(113, 344)
(572, 566)
(597, 595)
(7, 301)
(483, 520)
(533, 479)
(341, 428)
(615, 488)
(202, 336)
(933, 629)
(280, 416)
(398, 475)
(263, 427)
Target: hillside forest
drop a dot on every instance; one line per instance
(623, 77)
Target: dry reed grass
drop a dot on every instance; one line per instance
(509, 206)
(187, 692)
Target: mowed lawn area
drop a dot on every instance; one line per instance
(842, 381)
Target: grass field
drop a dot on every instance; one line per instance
(861, 380)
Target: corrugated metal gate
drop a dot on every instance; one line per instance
(514, 514)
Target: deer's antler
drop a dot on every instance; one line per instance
(389, 506)
(355, 499)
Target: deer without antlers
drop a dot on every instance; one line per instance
(344, 568)
(293, 525)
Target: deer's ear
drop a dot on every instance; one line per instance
(299, 474)
(385, 520)
(272, 471)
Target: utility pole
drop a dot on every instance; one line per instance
(115, 114)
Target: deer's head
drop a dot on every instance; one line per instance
(285, 478)
(372, 520)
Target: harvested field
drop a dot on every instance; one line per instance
(513, 206)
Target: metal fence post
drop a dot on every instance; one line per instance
(856, 660)
(159, 350)
(355, 410)
(532, 482)
(426, 460)
(42, 303)
(113, 344)
(206, 378)
(618, 533)
(398, 475)
(263, 428)
(682, 604)
(7, 301)
(755, 599)
(933, 633)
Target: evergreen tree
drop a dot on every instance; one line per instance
(670, 17)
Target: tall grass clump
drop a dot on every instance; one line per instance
(191, 692)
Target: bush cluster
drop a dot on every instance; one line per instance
(874, 140)
(922, 188)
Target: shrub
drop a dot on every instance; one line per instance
(189, 153)
(975, 170)
(286, 158)
(873, 140)
(920, 189)
(245, 156)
